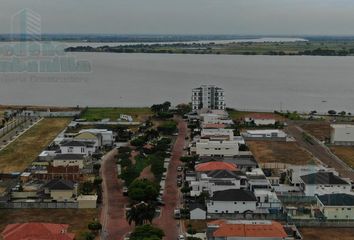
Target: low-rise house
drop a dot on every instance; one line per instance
(217, 180)
(257, 179)
(78, 147)
(50, 172)
(232, 201)
(64, 160)
(255, 229)
(342, 134)
(321, 183)
(212, 118)
(60, 190)
(197, 211)
(106, 135)
(269, 134)
(215, 165)
(42, 231)
(95, 138)
(244, 163)
(268, 200)
(338, 206)
(217, 134)
(206, 147)
(294, 172)
(260, 119)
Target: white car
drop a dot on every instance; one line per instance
(181, 237)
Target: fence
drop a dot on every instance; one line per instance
(39, 205)
(297, 199)
(323, 223)
(8, 127)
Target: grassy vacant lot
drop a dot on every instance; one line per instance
(281, 152)
(198, 225)
(78, 219)
(138, 114)
(20, 153)
(327, 233)
(320, 130)
(239, 115)
(346, 153)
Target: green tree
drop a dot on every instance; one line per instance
(147, 232)
(86, 188)
(143, 190)
(141, 213)
(94, 226)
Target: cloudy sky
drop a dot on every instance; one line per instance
(187, 16)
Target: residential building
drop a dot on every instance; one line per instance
(294, 172)
(260, 119)
(255, 229)
(78, 147)
(197, 211)
(37, 230)
(64, 160)
(215, 165)
(321, 183)
(208, 118)
(217, 134)
(107, 136)
(95, 138)
(60, 190)
(257, 179)
(342, 134)
(206, 147)
(232, 201)
(50, 172)
(338, 206)
(269, 134)
(208, 96)
(268, 200)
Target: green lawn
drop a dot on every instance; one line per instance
(93, 114)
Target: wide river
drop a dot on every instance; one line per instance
(300, 83)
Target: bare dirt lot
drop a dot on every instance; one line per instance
(345, 153)
(78, 219)
(19, 154)
(280, 152)
(327, 233)
(320, 130)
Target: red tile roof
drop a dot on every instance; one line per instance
(211, 166)
(269, 229)
(37, 231)
(260, 116)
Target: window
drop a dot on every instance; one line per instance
(70, 149)
(244, 203)
(235, 202)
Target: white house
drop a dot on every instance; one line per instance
(78, 147)
(217, 180)
(267, 199)
(206, 147)
(321, 183)
(294, 172)
(68, 160)
(107, 136)
(217, 134)
(94, 138)
(260, 119)
(197, 211)
(338, 206)
(342, 134)
(232, 201)
(269, 134)
(209, 118)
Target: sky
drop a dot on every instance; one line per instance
(281, 17)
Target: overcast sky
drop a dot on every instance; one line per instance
(187, 16)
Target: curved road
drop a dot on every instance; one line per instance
(113, 202)
(171, 197)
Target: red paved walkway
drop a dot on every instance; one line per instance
(112, 213)
(171, 196)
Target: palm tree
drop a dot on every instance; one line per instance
(141, 213)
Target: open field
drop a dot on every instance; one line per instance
(281, 152)
(198, 225)
(19, 154)
(138, 114)
(39, 108)
(345, 153)
(320, 130)
(327, 233)
(78, 219)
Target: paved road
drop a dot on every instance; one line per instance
(171, 197)
(321, 152)
(112, 213)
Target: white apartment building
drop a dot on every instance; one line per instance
(267, 134)
(206, 147)
(208, 96)
(342, 134)
(208, 118)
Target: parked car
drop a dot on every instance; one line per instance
(181, 237)
(125, 191)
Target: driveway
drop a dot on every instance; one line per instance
(172, 197)
(113, 219)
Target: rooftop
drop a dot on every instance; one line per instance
(69, 157)
(338, 199)
(60, 184)
(211, 166)
(233, 195)
(322, 178)
(247, 229)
